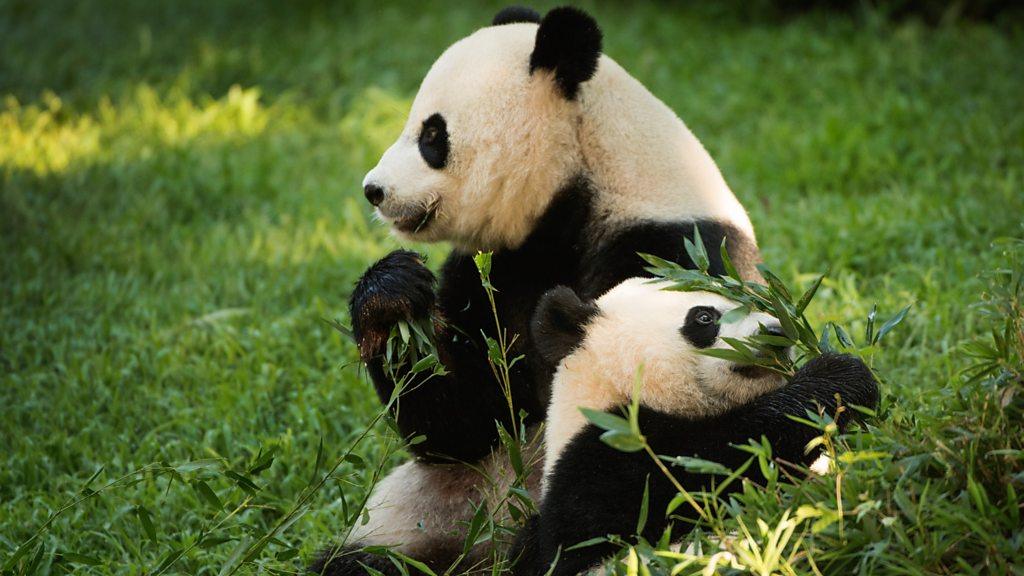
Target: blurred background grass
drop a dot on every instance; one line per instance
(180, 209)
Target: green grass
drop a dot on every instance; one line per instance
(180, 210)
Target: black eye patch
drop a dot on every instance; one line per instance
(701, 327)
(434, 141)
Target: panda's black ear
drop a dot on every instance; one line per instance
(568, 43)
(515, 14)
(559, 323)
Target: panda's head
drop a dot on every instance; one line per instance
(640, 327)
(491, 133)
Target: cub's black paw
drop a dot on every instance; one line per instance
(848, 374)
(398, 287)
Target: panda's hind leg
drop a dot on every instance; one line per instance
(418, 510)
(423, 511)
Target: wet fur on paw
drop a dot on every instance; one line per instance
(398, 287)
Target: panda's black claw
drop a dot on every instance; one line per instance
(397, 287)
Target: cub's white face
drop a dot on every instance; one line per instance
(641, 326)
(485, 146)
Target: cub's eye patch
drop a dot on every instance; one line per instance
(433, 141)
(701, 326)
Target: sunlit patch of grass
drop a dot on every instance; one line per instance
(47, 138)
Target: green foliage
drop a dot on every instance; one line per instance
(180, 209)
(950, 487)
(773, 298)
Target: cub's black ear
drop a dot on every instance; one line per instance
(514, 14)
(568, 43)
(559, 323)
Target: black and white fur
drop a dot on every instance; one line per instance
(691, 405)
(526, 141)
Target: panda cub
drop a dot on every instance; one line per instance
(641, 327)
(691, 405)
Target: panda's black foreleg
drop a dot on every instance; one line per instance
(595, 490)
(455, 412)
(397, 287)
(820, 385)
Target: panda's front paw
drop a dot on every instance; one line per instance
(846, 374)
(398, 287)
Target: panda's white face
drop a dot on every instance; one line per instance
(639, 327)
(485, 145)
(642, 325)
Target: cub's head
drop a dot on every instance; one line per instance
(491, 134)
(599, 346)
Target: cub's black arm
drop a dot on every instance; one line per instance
(595, 490)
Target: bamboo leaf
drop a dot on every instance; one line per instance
(774, 283)
(426, 363)
(606, 421)
(735, 315)
(727, 354)
(892, 323)
(869, 331)
(844, 339)
(809, 294)
(782, 314)
(76, 558)
(413, 562)
(195, 465)
(206, 494)
(770, 340)
(319, 461)
(697, 465)
(512, 447)
(263, 461)
(641, 521)
(243, 482)
(696, 251)
(355, 460)
(730, 270)
(146, 520)
(623, 441)
(588, 542)
(823, 343)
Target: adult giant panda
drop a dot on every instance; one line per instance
(690, 405)
(526, 141)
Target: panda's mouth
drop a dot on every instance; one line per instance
(418, 221)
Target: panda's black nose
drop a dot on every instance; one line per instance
(374, 194)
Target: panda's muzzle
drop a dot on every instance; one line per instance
(415, 221)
